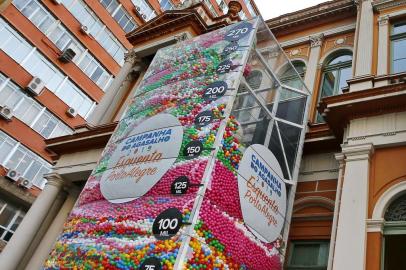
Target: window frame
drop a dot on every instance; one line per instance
(17, 147)
(329, 68)
(168, 2)
(57, 32)
(289, 266)
(395, 37)
(17, 213)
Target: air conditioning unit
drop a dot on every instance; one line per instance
(57, 2)
(67, 55)
(84, 29)
(26, 183)
(6, 113)
(144, 16)
(35, 86)
(71, 112)
(13, 175)
(137, 9)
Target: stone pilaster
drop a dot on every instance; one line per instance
(353, 212)
(316, 43)
(16, 248)
(364, 45)
(383, 47)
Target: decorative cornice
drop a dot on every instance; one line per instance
(318, 13)
(358, 152)
(380, 5)
(327, 33)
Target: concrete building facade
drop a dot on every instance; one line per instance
(349, 210)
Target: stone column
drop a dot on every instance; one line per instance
(311, 70)
(15, 249)
(350, 246)
(112, 98)
(47, 243)
(383, 48)
(364, 51)
(340, 158)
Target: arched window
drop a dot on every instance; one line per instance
(397, 210)
(336, 72)
(289, 76)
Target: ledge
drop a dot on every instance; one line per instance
(86, 137)
(339, 110)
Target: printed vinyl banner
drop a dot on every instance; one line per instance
(262, 192)
(141, 158)
(141, 208)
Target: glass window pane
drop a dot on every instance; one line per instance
(24, 163)
(340, 59)
(5, 94)
(33, 170)
(11, 96)
(5, 149)
(345, 74)
(38, 17)
(399, 28)
(41, 123)
(16, 223)
(15, 159)
(328, 83)
(112, 6)
(23, 106)
(119, 14)
(305, 255)
(56, 34)
(55, 81)
(30, 9)
(399, 66)
(96, 74)
(399, 49)
(19, 3)
(39, 178)
(46, 132)
(7, 215)
(45, 25)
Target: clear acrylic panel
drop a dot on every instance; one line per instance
(194, 175)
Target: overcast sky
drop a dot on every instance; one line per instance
(273, 8)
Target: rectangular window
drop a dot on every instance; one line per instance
(309, 255)
(29, 110)
(119, 14)
(166, 4)
(98, 30)
(37, 65)
(10, 217)
(398, 39)
(17, 157)
(57, 33)
(211, 7)
(223, 6)
(146, 11)
(250, 7)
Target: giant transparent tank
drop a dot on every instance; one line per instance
(201, 170)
